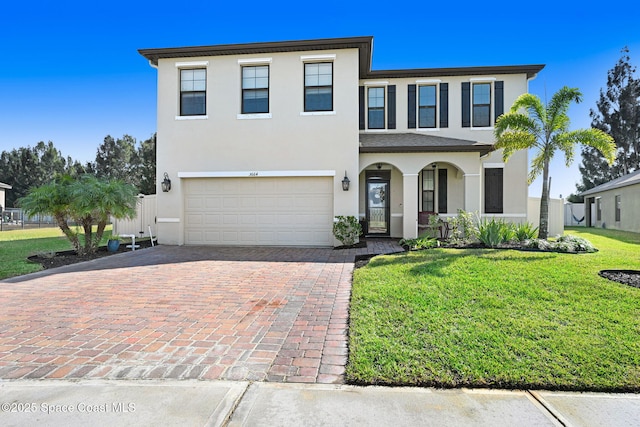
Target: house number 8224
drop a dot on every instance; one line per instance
(253, 173)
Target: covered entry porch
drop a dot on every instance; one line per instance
(401, 184)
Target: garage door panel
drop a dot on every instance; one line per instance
(259, 211)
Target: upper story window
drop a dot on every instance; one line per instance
(427, 106)
(318, 86)
(255, 89)
(193, 92)
(375, 102)
(481, 104)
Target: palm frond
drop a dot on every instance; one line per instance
(592, 137)
(532, 105)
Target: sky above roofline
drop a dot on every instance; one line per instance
(70, 71)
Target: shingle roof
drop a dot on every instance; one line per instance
(414, 143)
(630, 179)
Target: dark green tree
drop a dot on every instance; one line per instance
(617, 113)
(118, 159)
(147, 157)
(27, 167)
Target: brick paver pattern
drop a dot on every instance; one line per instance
(258, 314)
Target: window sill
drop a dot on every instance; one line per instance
(482, 128)
(375, 130)
(192, 117)
(318, 113)
(256, 116)
(428, 129)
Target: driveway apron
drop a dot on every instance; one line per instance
(257, 314)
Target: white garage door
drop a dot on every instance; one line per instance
(291, 211)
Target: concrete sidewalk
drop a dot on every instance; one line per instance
(219, 403)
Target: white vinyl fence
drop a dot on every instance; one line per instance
(574, 215)
(145, 217)
(556, 215)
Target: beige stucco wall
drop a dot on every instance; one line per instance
(2, 199)
(288, 141)
(630, 206)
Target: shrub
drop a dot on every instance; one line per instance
(525, 231)
(346, 229)
(463, 228)
(491, 232)
(422, 242)
(562, 244)
(569, 243)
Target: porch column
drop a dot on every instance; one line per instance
(472, 192)
(410, 205)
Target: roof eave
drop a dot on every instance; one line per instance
(363, 44)
(530, 70)
(482, 149)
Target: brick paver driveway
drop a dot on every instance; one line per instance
(274, 314)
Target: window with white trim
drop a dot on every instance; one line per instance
(481, 104)
(427, 101)
(193, 91)
(255, 89)
(318, 86)
(375, 104)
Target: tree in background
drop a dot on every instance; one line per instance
(118, 159)
(546, 128)
(27, 167)
(123, 159)
(617, 114)
(147, 158)
(85, 200)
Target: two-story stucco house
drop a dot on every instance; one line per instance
(257, 140)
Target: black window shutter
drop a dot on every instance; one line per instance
(411, 107)
(442, 191)
(444, 106)
(499, 88)
(361, 106)
(493, 185)
(391, 111)
(466, 104)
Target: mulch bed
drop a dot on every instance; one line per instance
(626, 277)
(60, 259)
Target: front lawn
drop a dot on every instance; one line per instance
(17, 245)
(499, 318)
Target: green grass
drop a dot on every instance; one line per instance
(17, 245)
(499, 318)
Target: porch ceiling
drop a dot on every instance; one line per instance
(417, 143)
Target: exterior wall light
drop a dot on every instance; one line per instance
(345, 182)
(166, 183)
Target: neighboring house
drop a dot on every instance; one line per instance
(614, 204)
(258, 138)
(3, 203)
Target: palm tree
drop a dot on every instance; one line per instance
(87, 201)
(546, 128)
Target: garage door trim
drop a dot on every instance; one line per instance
(257, 174)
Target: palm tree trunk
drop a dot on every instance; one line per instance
(543, 231)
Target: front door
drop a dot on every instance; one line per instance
(378, 211)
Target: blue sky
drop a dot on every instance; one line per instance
(70, 71)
